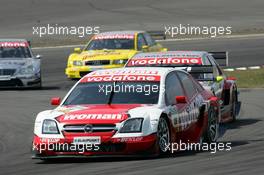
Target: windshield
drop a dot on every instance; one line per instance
(99, 44)
(114, 93)
(15, 52)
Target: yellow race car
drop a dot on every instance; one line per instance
(110, 50)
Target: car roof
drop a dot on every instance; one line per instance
(179, 54)
(121, 32)
(130, 70)
(12, 40)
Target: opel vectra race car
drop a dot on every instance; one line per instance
(203, 67)
(109, 50)
(18, 66)
(131, 111)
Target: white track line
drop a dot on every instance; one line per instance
(167, 40)
(254, 67)
(57, 47)
(220, 37)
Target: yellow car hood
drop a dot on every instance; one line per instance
(105, 54)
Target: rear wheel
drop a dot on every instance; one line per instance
(234, 106)
(163, 135)
(211, 133)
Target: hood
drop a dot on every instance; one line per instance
(106, 54)
(94, 114)
(13, 63)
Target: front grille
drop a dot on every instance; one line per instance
(11, 83)
(89, 128)
(97, 62)
(7, 71)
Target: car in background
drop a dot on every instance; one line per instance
(137, 111)
(110, 50)
(204, 66)
(18, 65)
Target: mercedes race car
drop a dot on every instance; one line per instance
(18, 66)
(129, 111)
(205, 68)
(110, 50)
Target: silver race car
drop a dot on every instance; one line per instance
(18, 66)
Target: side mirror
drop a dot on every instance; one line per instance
(145, 47)
(29, 43)
(38, 56)
(55, 101)
(219, 78)
(164, 49)
(180, 99)
(77, 50)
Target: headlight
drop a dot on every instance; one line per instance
(132, 125)
(77, 63)
(50, 127)
(26, 70)
(121, 61)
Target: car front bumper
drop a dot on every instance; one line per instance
(80, 71)
(145, 145)
(16, 81)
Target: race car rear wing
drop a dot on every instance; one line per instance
(157, 34)
(198, 72)
(201, 69)
(220, 57)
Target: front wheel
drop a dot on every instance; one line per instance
(211, 133)
(163, 136)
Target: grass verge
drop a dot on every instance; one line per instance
(248, 78)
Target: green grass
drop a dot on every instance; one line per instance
(248, 78)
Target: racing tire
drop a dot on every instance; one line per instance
(163, 136)
(211, 133)
(233, 112)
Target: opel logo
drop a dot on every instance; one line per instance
(88, 128)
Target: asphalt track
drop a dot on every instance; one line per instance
(18, 108)
(18, 17)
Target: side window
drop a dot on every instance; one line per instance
(173, 88)
(187, 84)
(141, 41)
(198, 86)
(149, 40)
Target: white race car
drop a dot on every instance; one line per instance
(127, 111)
(19, 67)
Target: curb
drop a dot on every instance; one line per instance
(244, 68)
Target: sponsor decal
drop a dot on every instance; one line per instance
(121, 78)
(86, 57)
(114, 36)
(70, 109)
(124, 72)
(190, 115)
(165, 61)
(13, 44)
(49, 140)
(87, 140)
(70, 117)
(130, 139)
